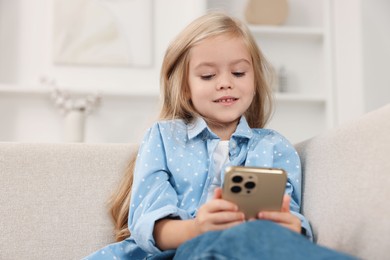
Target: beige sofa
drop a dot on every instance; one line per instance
(53, 196)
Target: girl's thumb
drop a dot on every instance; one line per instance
(286, 203)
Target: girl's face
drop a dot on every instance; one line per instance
(221, 80)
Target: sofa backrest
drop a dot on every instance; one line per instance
(53, 200)
(346, 186)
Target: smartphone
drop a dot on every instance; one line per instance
(254, 189)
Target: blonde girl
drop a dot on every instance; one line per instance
(216, 101)
(175, 92)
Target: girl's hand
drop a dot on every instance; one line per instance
(217, 214)
(284, 217)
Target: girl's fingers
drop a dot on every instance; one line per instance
(227, 217)
(207, 221)
(218, 214)
(280, 217)
(275, 216)
(285, 219)
(217, 205)
(221, 212)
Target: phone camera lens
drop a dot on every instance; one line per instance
(250, 185)
(237, 179)
(236, 189)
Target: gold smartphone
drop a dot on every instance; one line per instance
(254, 189)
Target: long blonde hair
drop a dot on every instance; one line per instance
(176, 101)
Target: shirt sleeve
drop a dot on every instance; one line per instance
(153, 197)
(286, 157)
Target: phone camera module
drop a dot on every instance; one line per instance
(237, 179)
(235, 189)
(250, 185)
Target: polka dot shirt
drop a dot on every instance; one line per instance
(175, 170)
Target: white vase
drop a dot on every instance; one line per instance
(74, 126)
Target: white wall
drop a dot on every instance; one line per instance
(362, 52)
(129, 95)
(8, 40)
(376, 53)
(28, 46)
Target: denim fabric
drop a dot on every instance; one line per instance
(254, 240)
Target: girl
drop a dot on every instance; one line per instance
(216, 101)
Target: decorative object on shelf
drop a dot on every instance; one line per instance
(266, 12)
(103, 32)
(75, 110)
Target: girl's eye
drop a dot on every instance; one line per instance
(238, 74)
(207, 77)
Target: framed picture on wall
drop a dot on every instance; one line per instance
(103, 32)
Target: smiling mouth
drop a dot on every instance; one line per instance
(225, 100)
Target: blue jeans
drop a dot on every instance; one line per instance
(251, 240)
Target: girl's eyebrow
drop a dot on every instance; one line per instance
(212, 64)
(205, 64)
(240, 60)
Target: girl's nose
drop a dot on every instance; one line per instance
(225, 83)
(224, 86)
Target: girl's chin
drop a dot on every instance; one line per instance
(223, 122)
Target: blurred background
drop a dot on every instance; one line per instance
(88, 70)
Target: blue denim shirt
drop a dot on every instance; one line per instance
(174, 171)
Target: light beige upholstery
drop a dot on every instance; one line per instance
(347, 186)
(53, 196)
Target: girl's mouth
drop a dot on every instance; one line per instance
(225, 100)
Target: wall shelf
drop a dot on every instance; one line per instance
(14, 89)
(302, 48)
(315, 33)
(293, 97)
